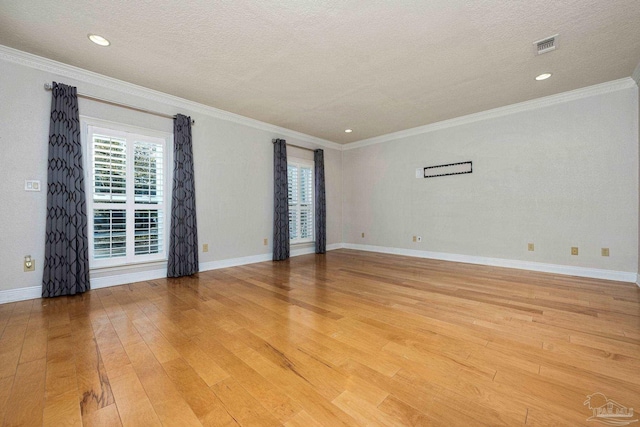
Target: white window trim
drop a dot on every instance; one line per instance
(307, 163)
(119, 129)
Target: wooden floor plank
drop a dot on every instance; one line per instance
(26, 401)
(62, 409)
(241, 405)
(104, 417)
(131, 399)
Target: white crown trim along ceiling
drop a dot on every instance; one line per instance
(37, 62)
(585, 92)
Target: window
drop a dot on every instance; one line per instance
(127, 199)
(300, 179)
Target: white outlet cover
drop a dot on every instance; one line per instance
(419, 239)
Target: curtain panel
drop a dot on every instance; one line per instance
(183, 240)
(321, 203)
(280, 201)
(66, 260)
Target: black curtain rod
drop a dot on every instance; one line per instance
(273, 141)
(48, 86)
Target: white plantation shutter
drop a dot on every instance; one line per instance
(109, 169)
(148, 231)
(300, 180)
(292, 179)
(306, 203)
(128, 203)
(109, 233)
(148, 172)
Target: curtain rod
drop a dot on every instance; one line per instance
(273, 141)
(49, 86)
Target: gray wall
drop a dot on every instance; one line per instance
(233, 167)
(557, 176)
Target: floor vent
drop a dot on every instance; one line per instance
(546, 45)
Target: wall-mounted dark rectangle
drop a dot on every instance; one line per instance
(450, 169)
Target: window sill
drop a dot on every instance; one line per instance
(302, 243)
(144, 265)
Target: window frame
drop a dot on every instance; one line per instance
(91, 126)
(305, 163)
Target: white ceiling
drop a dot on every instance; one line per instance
(319, 67)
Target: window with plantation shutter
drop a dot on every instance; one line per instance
(127, 209)
(301, 210)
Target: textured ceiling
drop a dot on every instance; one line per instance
(319, 67)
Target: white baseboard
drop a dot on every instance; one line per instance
(123, 279)
(33, 292)
(20, 294)
(234, 262)
(621, 276)
(638, 279)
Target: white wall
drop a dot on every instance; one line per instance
(233, 167)
(557, 176)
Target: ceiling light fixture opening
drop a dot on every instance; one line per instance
(348, 130)
(543, 76)
(99, 40)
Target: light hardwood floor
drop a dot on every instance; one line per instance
(349, 338)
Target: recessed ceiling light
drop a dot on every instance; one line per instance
(99, 40)
(543, 76)
(348, 130)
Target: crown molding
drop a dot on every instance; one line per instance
(85, 76)
(533, 104)
(43, 64)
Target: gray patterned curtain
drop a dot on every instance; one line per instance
(321, 203)
(183, 242)
(280, 201)
(66, 259)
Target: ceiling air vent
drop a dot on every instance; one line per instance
(546, 45)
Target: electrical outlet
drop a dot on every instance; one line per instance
(419, 239)
(205, 247)
(415, 238)
(29, 263)
(266, 241)
(605, 251)
(530, 247)
(574, 250)
(363, 235)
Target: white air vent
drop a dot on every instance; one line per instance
(546, 45)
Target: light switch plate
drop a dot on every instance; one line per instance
(31, 185)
